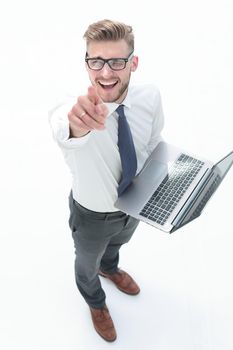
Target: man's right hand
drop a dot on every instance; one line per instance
(89, 113)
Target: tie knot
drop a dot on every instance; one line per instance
(120, 110)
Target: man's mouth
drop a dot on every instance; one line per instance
(107, 85)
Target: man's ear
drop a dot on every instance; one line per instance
(134, 63)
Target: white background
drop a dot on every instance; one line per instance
(186, 301)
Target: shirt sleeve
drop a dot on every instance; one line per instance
(158, 123)
(58, 119)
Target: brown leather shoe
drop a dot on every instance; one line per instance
(123, 281)
(103, 323)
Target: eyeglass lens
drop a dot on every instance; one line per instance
(115, 64)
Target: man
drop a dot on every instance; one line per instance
(88, 137)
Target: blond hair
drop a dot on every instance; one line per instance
(107, 30)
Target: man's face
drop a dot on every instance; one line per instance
(111, 85)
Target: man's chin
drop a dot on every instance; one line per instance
(108, 96)
(114, 94)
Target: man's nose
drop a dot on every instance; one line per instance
(106, 71)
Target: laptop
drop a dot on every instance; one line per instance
(173, 187)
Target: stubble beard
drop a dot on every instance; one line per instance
(122, 93)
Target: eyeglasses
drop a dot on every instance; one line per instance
(113, 63)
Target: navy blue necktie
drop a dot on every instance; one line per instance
(127, 151)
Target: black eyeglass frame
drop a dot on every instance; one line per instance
(87, 59)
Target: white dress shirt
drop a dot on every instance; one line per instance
(94, 159)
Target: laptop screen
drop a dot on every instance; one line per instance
(224, 165)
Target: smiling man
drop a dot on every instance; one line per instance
(106, 138)
(112, 83)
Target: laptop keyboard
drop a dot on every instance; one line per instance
(172, 188)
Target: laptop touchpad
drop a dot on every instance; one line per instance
(153, 173)
(143, 186)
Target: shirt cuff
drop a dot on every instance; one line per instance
(74, 142)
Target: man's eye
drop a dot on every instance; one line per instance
(117, 63)
(96, 62)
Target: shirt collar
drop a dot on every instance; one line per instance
(126, 102)
(112, 106)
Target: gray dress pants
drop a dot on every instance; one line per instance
(97, 240)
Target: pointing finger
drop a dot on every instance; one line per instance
(93, 96)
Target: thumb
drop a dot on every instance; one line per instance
(93, 95)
